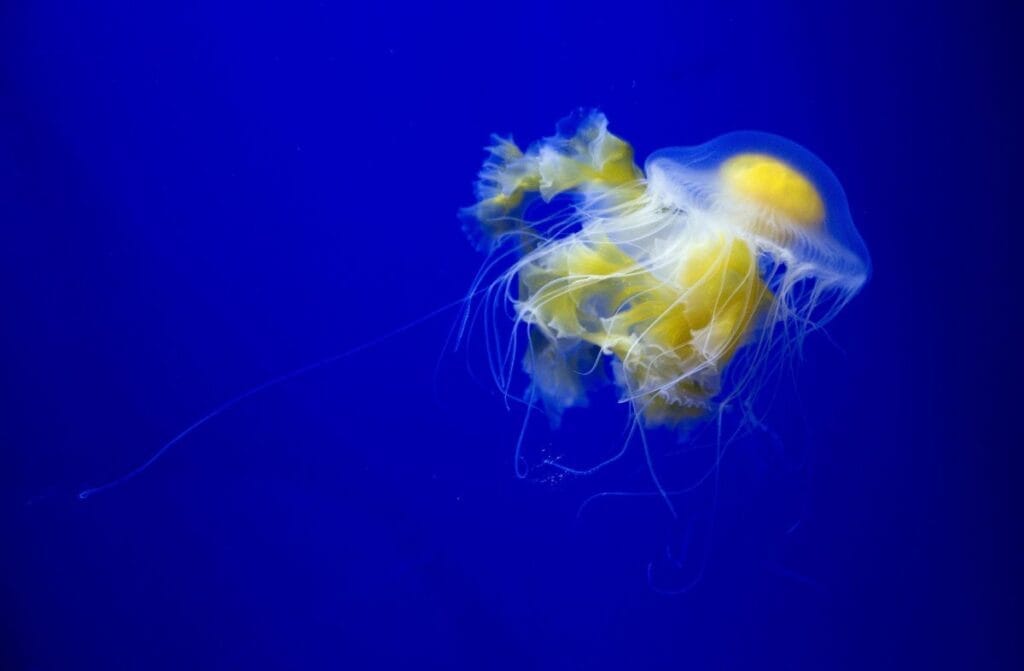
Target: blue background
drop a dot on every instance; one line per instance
(196, 197)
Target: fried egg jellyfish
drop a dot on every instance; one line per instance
(685, 285)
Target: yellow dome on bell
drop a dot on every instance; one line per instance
(774, 184)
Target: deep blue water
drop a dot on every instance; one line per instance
(196, 197)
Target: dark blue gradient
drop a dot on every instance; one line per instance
(196, 197)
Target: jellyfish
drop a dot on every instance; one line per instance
(684, 284)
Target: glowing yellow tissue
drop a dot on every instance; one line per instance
(772, 183)
(670, 275)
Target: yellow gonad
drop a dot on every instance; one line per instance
(668, 273)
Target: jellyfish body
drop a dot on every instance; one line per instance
(714, 259)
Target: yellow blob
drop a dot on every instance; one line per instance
(775, 184)
(671, 335)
